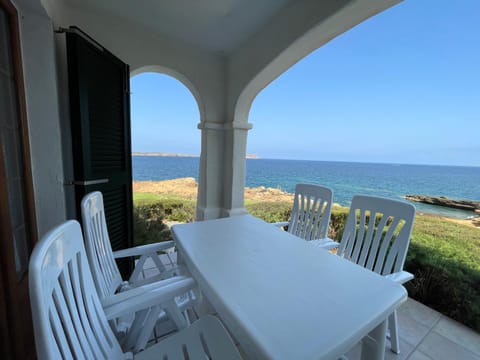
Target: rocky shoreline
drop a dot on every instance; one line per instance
(187, 188)
(467, 205)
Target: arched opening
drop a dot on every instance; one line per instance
(388, 109)
(165, 154)
(364, 97)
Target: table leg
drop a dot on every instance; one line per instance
(373, 345)
(180, 260)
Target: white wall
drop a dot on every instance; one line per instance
(42, 112)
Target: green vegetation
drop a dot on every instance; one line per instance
(443, 256)
(151, 211)
(172, 208)
(148, 225)
(269, 211)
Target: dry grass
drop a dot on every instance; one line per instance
(469, 222)
(184, 187)
(187, 188)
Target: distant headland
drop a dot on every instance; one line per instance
(167, 154)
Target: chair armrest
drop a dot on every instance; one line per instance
(330, 245)
(400, 277)
(325, 243)
(144, 249)
(280, 223)
(132, 292)
(146, 296)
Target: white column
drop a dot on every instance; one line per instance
(210, 178)
(221, 183)
(235, 168)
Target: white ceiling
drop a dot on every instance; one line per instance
(218, 25)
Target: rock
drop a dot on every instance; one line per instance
(468, 205)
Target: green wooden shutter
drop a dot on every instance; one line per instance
(100, 124)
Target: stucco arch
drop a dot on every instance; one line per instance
(177, 76)
(295, 46)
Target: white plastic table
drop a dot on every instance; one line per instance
(282, 298)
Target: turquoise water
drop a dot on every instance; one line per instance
(346, 179)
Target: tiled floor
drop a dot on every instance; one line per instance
(425, 334)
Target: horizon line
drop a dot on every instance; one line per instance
(257, 157)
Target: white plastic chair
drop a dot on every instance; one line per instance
(108, 280)
(312, 207)
(70, 323)
(376, 236)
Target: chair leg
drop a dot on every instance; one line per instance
(147, 329)
(175, 315)
(135, 330)
(393, 327)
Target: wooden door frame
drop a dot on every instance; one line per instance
(22, 112)
(8, 277)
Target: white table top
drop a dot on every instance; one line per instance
(281, 297)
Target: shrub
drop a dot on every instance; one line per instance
(270, 211)
(445, 259)
(148, 226)
(149, 214)
(445, 285)
(179, 209)
(281, 211)
(337, 222)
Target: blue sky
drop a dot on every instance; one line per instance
(402, 87)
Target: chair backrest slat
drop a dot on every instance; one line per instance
(83, 324)
(97, 242)
(386, 247)
(60, 296)
(397, 254)
(312, 206)
(379, 244)
(65, 293)
(369, 257)
(58, 342)
(69, 320)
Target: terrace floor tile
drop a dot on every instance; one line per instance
(459, 334)
(439, 347)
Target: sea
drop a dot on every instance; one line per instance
(346, 179)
